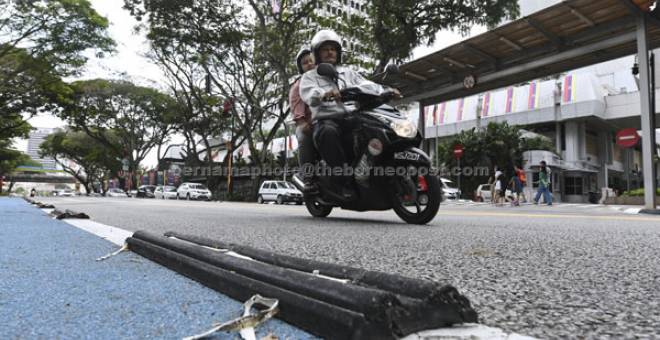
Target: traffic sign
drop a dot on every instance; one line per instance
(458, 151)
(627, 138)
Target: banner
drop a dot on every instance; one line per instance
(443, 112)
(569, 89)
(509, 100)
(486, 104)
(459, 116)
(533, 100)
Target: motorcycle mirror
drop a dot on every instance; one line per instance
(392, 69)
(327, 70)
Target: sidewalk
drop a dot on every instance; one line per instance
(51, 286)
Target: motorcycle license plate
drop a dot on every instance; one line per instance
(406, 155)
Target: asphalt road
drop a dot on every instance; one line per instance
(550, 272)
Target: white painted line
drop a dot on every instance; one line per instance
(467, 332)
(113, 234)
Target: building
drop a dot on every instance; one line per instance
(34, 141)
(577, 100)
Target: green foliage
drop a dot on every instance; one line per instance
(42, 41)
(55, 32)
(10, 159)
(536, 143)
(396, 27)
(138, 117)
(639, 192)
(498, 144)
(93, 158)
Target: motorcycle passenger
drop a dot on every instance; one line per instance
(303, 118)
(323, 97)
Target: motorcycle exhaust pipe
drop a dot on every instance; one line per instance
(298, 182)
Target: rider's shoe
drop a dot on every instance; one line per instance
(310, 188)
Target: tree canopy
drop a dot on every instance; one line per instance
(128, 120)
(93, 161)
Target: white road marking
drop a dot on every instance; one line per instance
(467, 332)
(115, 235)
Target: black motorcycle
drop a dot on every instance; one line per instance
(389, 170)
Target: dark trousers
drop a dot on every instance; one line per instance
(306, 152)
(330, 141)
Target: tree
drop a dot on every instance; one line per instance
(42, 41)
(249, 62)
(395, 27)
(93, 161)
(10, 159)
(498, 144)
(137, 117)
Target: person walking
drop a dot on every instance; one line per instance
(520, 184)
(544, 183)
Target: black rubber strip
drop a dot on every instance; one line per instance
(374, 303)
(390, 282)
(404, 314)
(317, 317)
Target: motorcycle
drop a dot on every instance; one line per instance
(389, 170)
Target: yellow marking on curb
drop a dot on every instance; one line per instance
(496, 214)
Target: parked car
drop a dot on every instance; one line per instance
(279, 191)
(194, 191)
(165, 192)
(449, 189)
(116, 192)
(146, 191)
(64, 193)
(482, 194)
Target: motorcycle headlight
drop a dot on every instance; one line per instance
(404, 128)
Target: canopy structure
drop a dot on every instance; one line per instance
(563, 37)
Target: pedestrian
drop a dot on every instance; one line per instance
(498, 192)
(544, 183)
(520, 184)
(491, 184)
(302, 115)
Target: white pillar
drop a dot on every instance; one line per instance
(648, 126)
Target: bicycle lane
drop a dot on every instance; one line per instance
(51, 286)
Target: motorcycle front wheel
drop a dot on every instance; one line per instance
(416, 199)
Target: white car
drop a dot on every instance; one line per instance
(279, 191)
(165, 192)
(449, 189)
(64, 193)
(116, 192)
(482, 194)
(193, 191)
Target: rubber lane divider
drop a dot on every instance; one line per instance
(39, 204)
(389, 308)
(60, 215)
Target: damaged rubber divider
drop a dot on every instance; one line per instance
(60, 215)
(367, 305)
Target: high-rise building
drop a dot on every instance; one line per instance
(36, 138)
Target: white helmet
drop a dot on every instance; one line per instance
(301, 54)
(322, 37)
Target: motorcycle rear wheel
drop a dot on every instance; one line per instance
(317, 209)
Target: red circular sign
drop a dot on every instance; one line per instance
(458, 151)
(627, 138)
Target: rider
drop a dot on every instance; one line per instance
(303, 117)
(323, 97)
